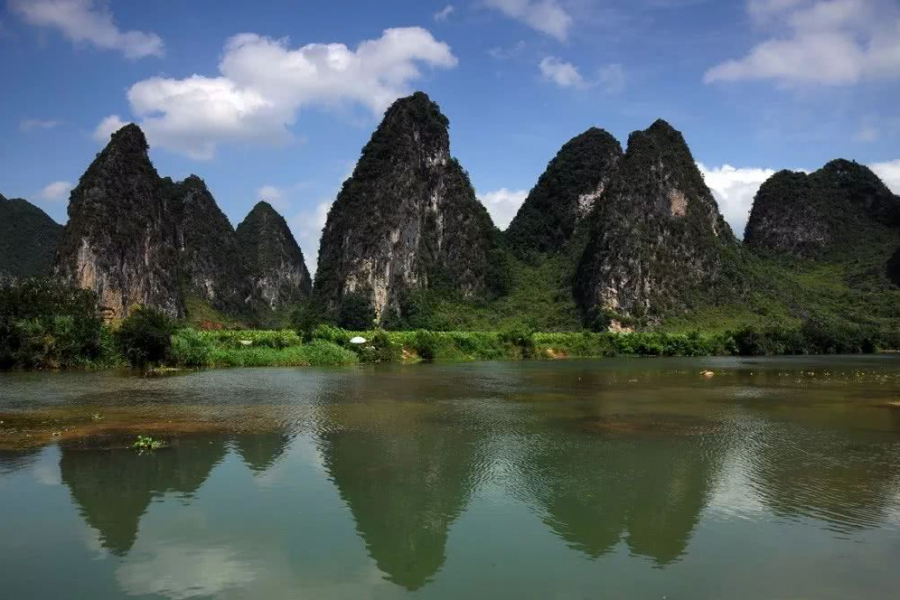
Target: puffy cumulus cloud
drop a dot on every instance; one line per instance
(57, 191)
(825, 42)
(889, 172)
(84, 21)
(503, 204)
(562, 73)
(546, 16)
(107, 127)
(444, 13)
(734, 189)
(263, 83)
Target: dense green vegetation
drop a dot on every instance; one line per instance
(28, 239)
(47, 325)
(550, 214)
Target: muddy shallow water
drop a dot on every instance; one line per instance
(775, 478)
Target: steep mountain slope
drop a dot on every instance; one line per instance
(407, 219)
(138, 239)
(824, 215)
(28, 238)
(565, 193)
(210, 257)
(658, 243)
(119, 241)
(272, 258)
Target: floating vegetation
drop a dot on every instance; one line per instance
(146, 443)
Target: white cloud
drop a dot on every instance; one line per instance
(734, 190)
(263, 84)
(30, 124)
(562, 73)
(503, 204)
(107, 127)
(612, 78)
(825, 42)
(546, 16)
(84, 21)
(889, 172)
(57, 191)
(444, 13)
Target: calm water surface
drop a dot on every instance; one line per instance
(616, 479)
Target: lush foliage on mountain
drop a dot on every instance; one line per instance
(565, 194)
(28, 238)
(832, 214)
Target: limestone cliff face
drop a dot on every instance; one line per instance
(119, 241)
(272, 258)
(28, 238)
(824, 215)
(407, 218)
(138, 239)
(565, 194)
(658, 243)
(210, 258)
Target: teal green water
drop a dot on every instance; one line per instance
(775, 478)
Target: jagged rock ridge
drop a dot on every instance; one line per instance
(407, 218)
(658, 243)
(28, 238)
(119, 241)
(209, 253)
(138, 239)
(272, 258)
(823, 215)
(565, 194)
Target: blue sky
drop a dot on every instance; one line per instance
(274, 99)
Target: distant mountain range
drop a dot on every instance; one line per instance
(606, 238)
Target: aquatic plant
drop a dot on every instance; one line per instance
(145, 443)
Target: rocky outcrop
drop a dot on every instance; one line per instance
(272, 258)
(823, 215)
(28, 238)
(658, 243)
(210, 257)
(138, 239)
(119, 240)
(565, 194)
(407, 219)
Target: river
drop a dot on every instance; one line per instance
(633, 478)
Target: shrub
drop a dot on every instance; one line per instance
(330, 333)
(190, 348)
(521, 338)
(145, 337)
(381, 349)
(48, 324)
(357, 312)
(306, 317)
